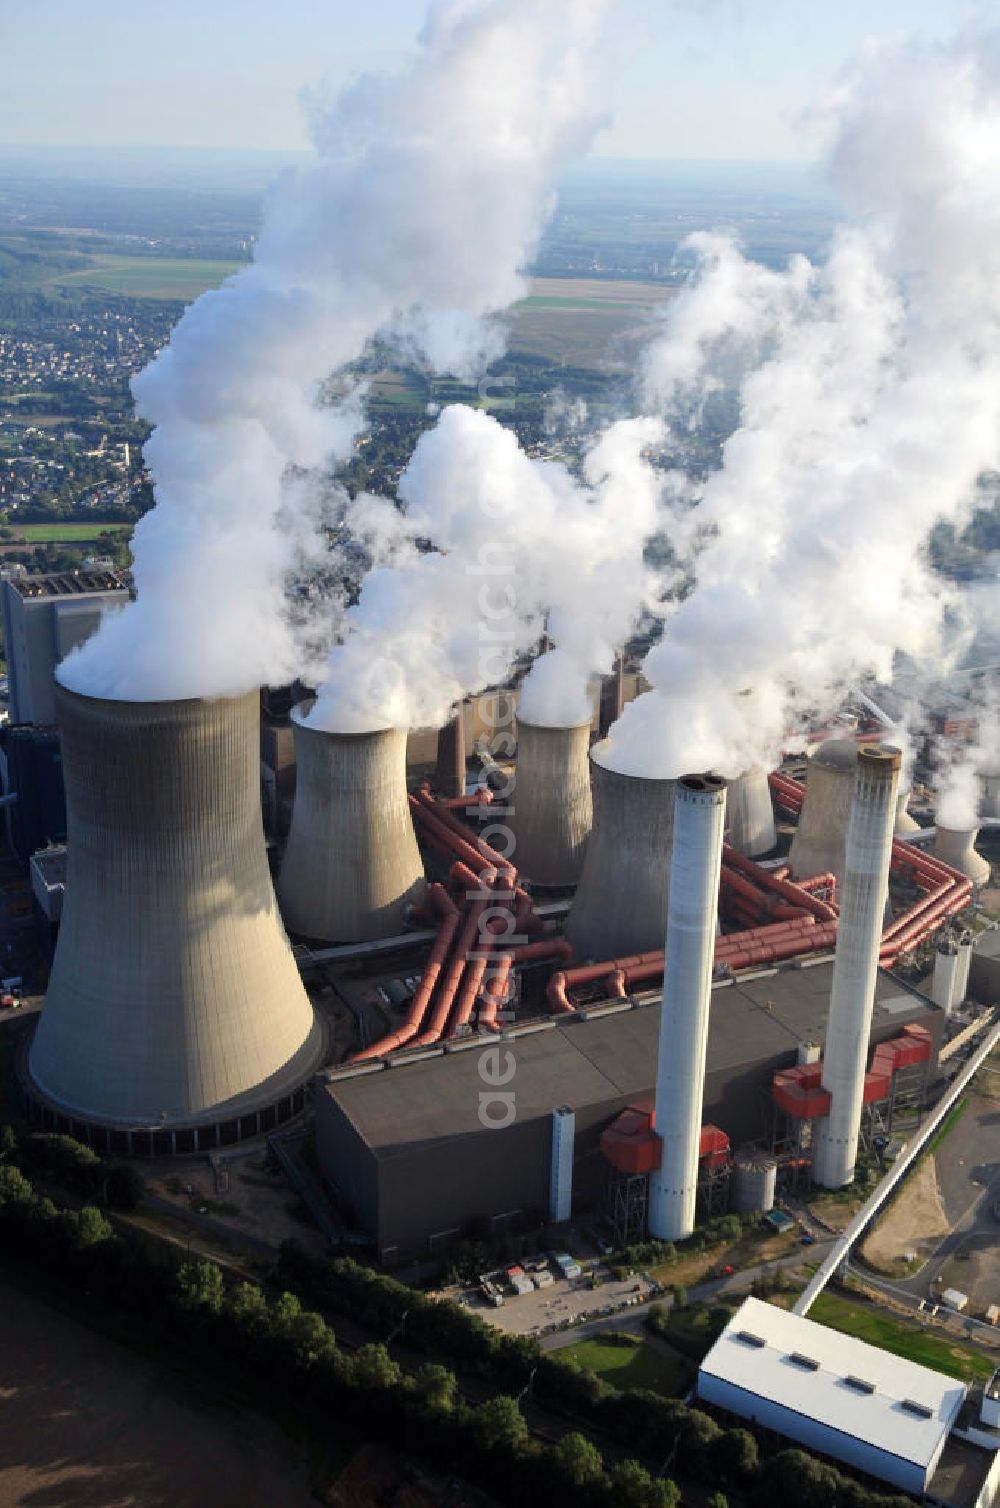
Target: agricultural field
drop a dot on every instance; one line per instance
(586, 322)
(627, 1361)
(938, 1352)
(182, 278)
(47, 534)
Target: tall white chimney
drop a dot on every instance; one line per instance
(699, 819)
(855, 968)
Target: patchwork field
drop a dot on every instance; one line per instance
(149, 277)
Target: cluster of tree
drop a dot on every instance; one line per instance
(718, 1231)
(73, 1166)
(638, 1420)
(284, 1356)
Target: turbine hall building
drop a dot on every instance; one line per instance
(464, 1132)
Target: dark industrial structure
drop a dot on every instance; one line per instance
(420, 1150)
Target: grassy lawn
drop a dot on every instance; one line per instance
(930, 1350)
(46, 534)
(150, 277)
(626, 1361)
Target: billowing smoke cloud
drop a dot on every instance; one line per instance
(521, 547)
(869, 404)
(958, 774)
(428, 196)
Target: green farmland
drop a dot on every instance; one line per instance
(47, 534)
(149, 277)
(936, 1351)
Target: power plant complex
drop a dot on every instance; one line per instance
(692, 987)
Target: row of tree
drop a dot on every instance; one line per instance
(640, 1421)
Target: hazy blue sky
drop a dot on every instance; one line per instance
(697, 78)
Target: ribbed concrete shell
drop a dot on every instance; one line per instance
(820, 840)
(352, 865)
(989, 798)
(174, 1000)
(855, 965)
(620, 905)
(552, 808)
(750, 814)
(957, 848)
(905, 824)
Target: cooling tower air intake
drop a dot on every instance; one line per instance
(174, 1004)
(551, 807)
(352, 866)
(621, 900)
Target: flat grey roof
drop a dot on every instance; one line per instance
(608, 1056)
(848, 1385)
(65, 584)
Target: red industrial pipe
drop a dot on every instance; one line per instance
(787, 889)
(418, 1005)
(495, 994)
(448, 820)
(435, 1027)
(476, 960)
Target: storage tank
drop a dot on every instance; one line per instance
(855, 965)
(750, 814)
(956, 847)
(352, 866)
(174, 1001)
(551, 809)
(821, 837)
(695, 868)
(755, 1176)
(621, 900)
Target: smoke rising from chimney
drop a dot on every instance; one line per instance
(569, 563)
(428, 195)
(869, 407)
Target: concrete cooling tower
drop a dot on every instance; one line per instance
(175, 1017)
(552, 808)
(621, 901)
(821, 837)
(989, 797)
(750, 814)
(956, 847)
(352, 866)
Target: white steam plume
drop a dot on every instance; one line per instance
(428, 196)
(521, 548)
(869, 404)
(958, 778)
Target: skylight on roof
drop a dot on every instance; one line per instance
(859, 1384)
(749, 1339)
(805, 1362)
(919, 1409)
